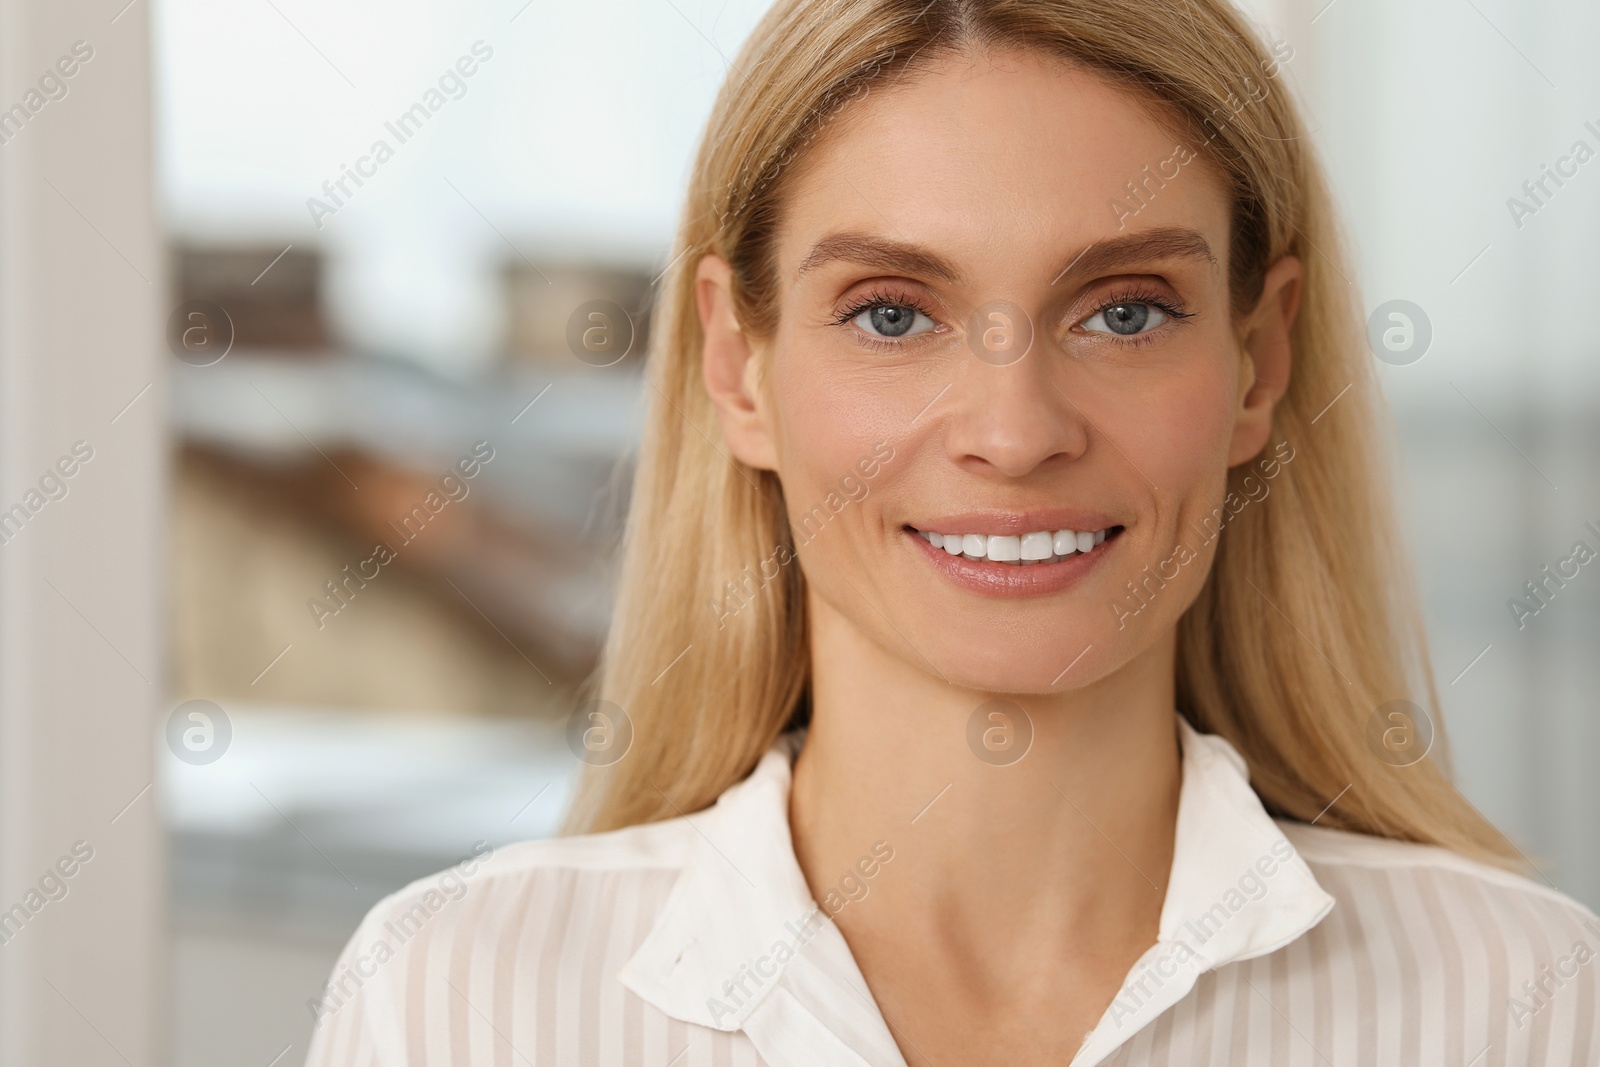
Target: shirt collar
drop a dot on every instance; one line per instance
(1237, 889)
(740, 944)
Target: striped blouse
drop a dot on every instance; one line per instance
(695, 942)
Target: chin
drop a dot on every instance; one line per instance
(1038, 662)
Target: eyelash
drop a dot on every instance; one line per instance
(881, 298)
(1136, 295)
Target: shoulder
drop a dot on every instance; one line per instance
(534, 910)
(1488, 955)
(556, 875)
(651, 846)
(1352, 864)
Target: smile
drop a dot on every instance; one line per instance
(997, 564)
(1041, 546)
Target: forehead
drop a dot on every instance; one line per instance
(999, 159)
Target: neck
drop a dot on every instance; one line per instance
(1072, 841)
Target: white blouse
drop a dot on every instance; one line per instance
(695, 942)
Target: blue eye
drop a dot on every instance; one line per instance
(893, 320)
(1125, 319)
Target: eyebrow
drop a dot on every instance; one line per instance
(1163, 243)
(899, 256)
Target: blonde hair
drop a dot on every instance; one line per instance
(1293, 682)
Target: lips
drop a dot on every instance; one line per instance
(996, 567)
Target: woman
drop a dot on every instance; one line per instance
(1011, 663)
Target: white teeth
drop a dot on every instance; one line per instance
(1041, 546)
(1005, 548)
(1037, 546)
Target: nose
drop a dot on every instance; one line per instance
(1011, 419)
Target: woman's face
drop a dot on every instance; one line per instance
(1004, 319)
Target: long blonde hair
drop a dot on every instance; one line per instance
(1293, 683)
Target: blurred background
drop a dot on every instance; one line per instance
(280, 345)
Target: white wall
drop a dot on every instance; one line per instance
(1431, 114)
(571, 140)
(82, 582)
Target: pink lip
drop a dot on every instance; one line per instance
(1016, 522)
(1011, 580)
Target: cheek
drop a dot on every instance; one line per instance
(828, 424)
(831, 423)
(1178, 428)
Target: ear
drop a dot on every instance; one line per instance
(730, 368)
(1266, 358)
